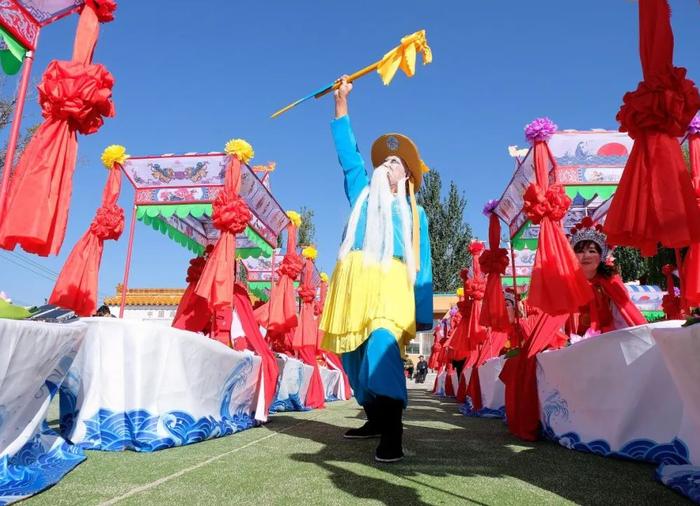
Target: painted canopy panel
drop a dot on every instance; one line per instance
(583, 158)
(44, 11)
(198, 178)
(262, 268)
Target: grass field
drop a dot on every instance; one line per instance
(301, 458)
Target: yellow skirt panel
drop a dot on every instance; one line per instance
(363, 298)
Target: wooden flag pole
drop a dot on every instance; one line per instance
(327, 89)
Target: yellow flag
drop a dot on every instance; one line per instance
(404, 57)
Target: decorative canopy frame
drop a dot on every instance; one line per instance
(589, 166)
(174, 193)
(25, 18)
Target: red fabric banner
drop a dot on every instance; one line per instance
(557, 285)
(655, 202)
(76, 286)
(691, 265)
(74, 96)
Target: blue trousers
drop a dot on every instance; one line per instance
(376, 369)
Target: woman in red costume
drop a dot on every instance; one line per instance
(611, 307)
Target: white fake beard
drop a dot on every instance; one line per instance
(378, 246)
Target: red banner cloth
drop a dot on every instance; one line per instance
(306, 332)
(74, 97)
(494, 262)
(520, 378)
(690, 273)
(256, 343)
(230, 215)
(557, 285)
(279, 316)
(193, 311)
(655, 202)
(76, 286)
(316, 394)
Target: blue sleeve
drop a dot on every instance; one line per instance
(349, 157)
(424, 278)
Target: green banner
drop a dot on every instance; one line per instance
(12, 56)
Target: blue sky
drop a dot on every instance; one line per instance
(191, 75)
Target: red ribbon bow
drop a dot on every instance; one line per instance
(494, 261)
(230, 213)
(663, 102)
(291, 265)
(307, 294)
(552, 204)
(77, 93)
(108, 222)
(474, 289)
(103, 8)
(194, 271)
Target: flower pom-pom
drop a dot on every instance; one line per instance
(694, 127)
(240, 149)
(489, 207)
(460, 292)
(541, 129)
(476, 247)
(114, 154)
(587, 222)
(294, 217)
(309, 252)
(324, 277)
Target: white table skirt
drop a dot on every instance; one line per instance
(493, 391)
(142, 386)
(34, 361)
(680, 349)
(332, 383)
(613, 395)
(289, 383)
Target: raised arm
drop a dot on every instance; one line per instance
(346, 146)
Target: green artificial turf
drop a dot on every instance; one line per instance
(301, 458)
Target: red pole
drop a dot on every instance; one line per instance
(125, 281)
(14, 131)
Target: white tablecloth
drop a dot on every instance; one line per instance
(442, 378)
(493, 391)
(680, 349)
(332, 383)
(613, 395)
(34, 361)
(289, 383)
(142, 386)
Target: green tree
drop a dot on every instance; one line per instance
(630, 263)
(449, 233)
(307, 230)
(7, 108)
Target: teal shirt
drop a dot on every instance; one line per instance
(356, 180)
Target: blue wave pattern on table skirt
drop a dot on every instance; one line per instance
(684, 479)
(40, 463)
(674, 452)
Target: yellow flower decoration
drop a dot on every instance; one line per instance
(460, 291)
(424, 168)
(309, 252)
(507, 344)
(324, 277)
(240, 149)
(114, 154)
(294, 217)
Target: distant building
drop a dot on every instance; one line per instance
(152, 304)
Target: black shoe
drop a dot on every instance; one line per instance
(367, 431)
(390, 447)
(371, 429)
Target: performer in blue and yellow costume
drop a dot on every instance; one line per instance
(381, 289)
